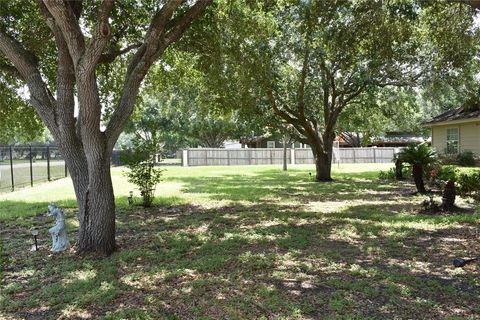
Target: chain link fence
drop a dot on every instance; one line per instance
(22, 166)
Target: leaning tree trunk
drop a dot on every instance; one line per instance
(417, 172)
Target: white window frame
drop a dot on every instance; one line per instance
(270, 144)
(453, 145)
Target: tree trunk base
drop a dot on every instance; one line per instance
(103, 249)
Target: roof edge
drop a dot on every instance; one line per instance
(447, 122)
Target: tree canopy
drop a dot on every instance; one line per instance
(83, 64)
(315, 63)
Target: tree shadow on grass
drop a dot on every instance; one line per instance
(369, 259)
(292, 263)
(277, 184)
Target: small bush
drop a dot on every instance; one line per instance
(466, 159)
(469, 184)
(141, 161)
(390, 174)
(446, 173)
(387, 175)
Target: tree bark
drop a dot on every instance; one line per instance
(323, 167)
(97, 232)
(417, 172)
(96, 204)
(89, 168)
(322, 149)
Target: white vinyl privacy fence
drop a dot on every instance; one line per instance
(257, 156)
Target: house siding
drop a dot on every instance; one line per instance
(439, 138)
(469, 136)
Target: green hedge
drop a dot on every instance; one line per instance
(469, 184)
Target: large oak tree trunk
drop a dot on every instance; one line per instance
(95, 198)
(97, 233)
(323, 166)
(323, 153)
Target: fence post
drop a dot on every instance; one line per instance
(31, 167)
(11, 168)
(48, 163)
(292, 156)
(228, 156)
(185, 158)
(271, 156)
(354, 158)
(374, 156)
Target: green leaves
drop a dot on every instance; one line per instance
(421, 154)
(141, 162)
(18, 121)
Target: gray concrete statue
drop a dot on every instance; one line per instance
(59, 231)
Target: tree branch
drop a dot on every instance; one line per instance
(67, 21)
(24, 61)
(183, 22)
(26, 64)
(301, 87)
(353, 94)
(65, 106)
(110, 56)
(156, 41)
(100, 38)
(296, 123)
(11, 70)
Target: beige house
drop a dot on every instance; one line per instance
(456, 131)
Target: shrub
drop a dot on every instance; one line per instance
(140, 159)
(466, 159)
(387, 175)
(390, 174)
(446, 173)
(469, 184)
(422, 158)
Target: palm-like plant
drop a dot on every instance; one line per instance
(419, 156)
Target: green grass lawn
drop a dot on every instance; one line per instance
(248, 243)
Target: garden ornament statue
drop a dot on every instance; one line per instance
(59, 231)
